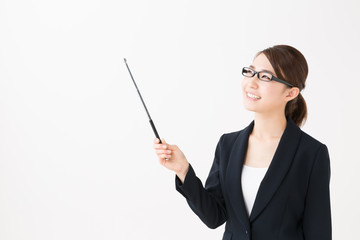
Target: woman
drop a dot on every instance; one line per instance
(269, 180)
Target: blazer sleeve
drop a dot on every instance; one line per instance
(206, 202)
(317, 215)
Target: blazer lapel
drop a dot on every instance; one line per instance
(278, 168)
(233, 175)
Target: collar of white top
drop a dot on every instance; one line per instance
(255, 167)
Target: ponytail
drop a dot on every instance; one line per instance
(296, 109)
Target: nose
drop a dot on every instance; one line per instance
(253, 81)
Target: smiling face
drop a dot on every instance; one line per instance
(265, 97)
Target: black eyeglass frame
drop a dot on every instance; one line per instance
(272, 76)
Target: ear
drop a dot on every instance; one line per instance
(292, 93)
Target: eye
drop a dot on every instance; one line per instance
(266, 76)
(247, 72)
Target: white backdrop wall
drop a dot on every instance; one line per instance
(76, 148)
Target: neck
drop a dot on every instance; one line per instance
(269, 126)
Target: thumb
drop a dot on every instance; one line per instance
(168, 145)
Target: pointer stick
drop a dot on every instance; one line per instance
(150, 120)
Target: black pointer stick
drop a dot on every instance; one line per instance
(150, 120)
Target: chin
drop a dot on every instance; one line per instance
(250, 108)
(249, 105)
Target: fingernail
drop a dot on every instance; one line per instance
(164, 146)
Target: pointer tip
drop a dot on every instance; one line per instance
(125, 60)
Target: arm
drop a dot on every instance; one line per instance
(317, 215)
(207, 203)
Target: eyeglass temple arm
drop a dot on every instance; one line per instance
(286, 83)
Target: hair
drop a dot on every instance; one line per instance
(290, 65)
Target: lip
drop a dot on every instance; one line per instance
(253, 99)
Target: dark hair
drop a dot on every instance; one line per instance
(290, 65)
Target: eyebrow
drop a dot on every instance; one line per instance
(251, 66)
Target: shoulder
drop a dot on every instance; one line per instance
(231, 135)
(229, 138)
(309, 141)
(311, 150)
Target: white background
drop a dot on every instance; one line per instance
(76, 148)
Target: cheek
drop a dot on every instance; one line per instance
(243, 85)
(274, 93)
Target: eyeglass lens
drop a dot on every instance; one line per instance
(262, 75)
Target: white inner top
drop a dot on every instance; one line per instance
(251, 178)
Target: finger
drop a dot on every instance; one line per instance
(162, 161)
(158, 146)
(163, 151)
(165, 156)
(162, 145)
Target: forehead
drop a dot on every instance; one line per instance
(261, 63)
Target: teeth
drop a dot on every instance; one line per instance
(253, 96)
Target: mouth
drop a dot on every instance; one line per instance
(252, 96)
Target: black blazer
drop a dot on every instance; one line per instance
(293, 200)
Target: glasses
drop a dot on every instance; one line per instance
(263, 76)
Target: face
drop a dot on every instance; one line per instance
(265, 97)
